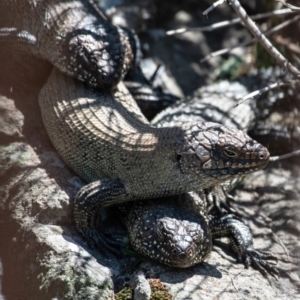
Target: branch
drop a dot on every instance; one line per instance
(217, 3)
(280, 59)
(265, 89)
(231, 22)
(271, 31)
(288, 44)
(284, 156)
(292, 7)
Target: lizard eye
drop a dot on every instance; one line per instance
(230, 152)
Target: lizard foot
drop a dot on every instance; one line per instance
(106, 246)
(259, 261)
(87, 213)
(229, 225)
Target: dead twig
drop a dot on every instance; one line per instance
(244, 44)
(287, 43)
(284, 156)
(222, 24)
(217, 3)
(292, 7)
(232, 281)
(279, 58)
(279, 241)
(265, 89)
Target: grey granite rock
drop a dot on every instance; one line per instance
(141, 287)
(41, 253)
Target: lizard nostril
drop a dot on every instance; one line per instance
(263, 155)
(182, 256)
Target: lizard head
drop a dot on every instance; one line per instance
(99, 55)
(220, 153)
(175, 237)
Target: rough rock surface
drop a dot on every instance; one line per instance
(38, 242)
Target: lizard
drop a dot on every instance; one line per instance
(180, 231)
(96, 126)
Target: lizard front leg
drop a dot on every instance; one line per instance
(88, 202)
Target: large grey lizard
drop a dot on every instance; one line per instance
(102, 136)
(179, 232)
(100, 133)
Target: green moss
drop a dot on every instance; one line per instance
(158, 291)
(124, 294)
(230, 68)
(159, 295)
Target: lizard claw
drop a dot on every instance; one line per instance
(241, 242)
(259, 261)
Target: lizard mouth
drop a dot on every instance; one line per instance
(248, 167)
(238, 168)
(181, 261)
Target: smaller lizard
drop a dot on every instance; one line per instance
(175, 232)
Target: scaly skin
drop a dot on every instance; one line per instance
(69, 34)
(175, 233)
(172, 230)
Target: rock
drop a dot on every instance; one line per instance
(141, 287)
(40, 248)
(11, 121)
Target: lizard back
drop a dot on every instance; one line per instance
(102, 133)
